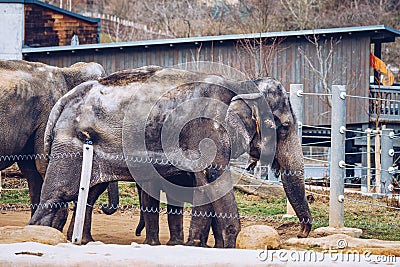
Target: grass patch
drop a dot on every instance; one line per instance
(14, 197)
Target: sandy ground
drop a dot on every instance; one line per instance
(122, 248)
(119, 228)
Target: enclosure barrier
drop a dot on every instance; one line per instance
(337, 161)
(337, 171)
(86, 173)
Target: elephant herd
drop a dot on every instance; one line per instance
(164, 128)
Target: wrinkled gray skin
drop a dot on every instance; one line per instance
(93, 111)
(28, 91)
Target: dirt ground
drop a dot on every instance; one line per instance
(119, 228)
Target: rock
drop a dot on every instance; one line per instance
(341, 241)
(258, 237)
(31, 233)
(325, 231)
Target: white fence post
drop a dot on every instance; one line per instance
(337, 171)
(387, 154)
(296, 100)
(83, 193)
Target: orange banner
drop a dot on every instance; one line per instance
(380, 67)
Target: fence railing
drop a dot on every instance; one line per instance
(384, 103)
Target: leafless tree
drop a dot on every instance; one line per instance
(324, 53)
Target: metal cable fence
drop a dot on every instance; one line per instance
(385, 199)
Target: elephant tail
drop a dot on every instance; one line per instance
(141, 223)
(113, 199)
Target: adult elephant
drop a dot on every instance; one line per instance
(28, 92)
(229, 119)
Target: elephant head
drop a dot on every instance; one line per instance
(288, 159)
(272, 139)
(28, 91)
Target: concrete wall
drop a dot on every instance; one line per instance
(11, 30)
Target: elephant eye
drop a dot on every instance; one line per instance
(86, 135)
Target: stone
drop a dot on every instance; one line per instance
(325, 231)
(31, 233)
(345, 242)
(258, 237)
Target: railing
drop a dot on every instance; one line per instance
(384, 103)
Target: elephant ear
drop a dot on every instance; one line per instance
(75, 94)
(243, 118)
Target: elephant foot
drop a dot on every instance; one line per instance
(152, 242)
(196, 243)
(175, 242)
(304, 231)
(86, 238)
(219, 244)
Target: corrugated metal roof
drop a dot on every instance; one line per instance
(220, 38)
(12, 1)
(57, 9)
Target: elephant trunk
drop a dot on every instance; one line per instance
(50, 214)
(289, 156)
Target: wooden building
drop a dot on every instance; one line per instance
(47, 25)
(291, 57)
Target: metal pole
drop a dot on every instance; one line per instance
(83, 193)
(337, 171)
(387, 154)
(296, 101)
(377, 160)
(368, 160)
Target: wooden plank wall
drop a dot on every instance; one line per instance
(350, 67)
(46, 27)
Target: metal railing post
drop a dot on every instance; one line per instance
(387, 154)
(296, 100)
(337, 171)
(83, 193)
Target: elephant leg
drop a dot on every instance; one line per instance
(140, 225)
(199, 225)
(200, 222)
(150, 208)
(227, 221)
(35, 182)
(219, 241)
(224, 207)
(175, 224)
(94, 194)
